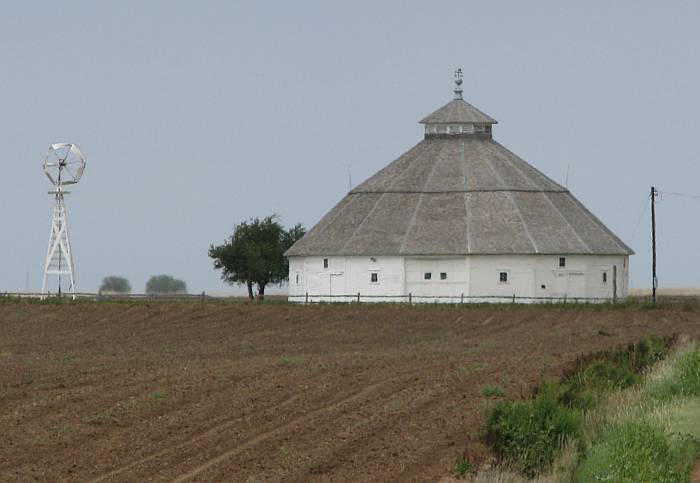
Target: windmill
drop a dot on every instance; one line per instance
(64, 165)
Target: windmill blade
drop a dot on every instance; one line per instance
(60, 156)
(71, 173)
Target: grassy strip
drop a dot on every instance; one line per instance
(624, 416)
(528, 436)
(686, 303)
(655, 434)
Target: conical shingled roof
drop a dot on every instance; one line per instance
(458, 194)
(458, 111)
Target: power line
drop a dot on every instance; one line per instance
(641, 217)
(685, 195)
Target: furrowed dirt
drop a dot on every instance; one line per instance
(233, 392)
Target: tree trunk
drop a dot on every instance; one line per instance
(250, 290)
(261, 291)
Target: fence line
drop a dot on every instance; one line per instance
(455, 299)
(310, 298)
(111, 296)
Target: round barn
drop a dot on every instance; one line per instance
(458, 218)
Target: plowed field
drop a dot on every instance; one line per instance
(233, 392)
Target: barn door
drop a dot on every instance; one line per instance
(560, 285)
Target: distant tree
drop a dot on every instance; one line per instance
(114, 284)
(255, 253)
(165, 284)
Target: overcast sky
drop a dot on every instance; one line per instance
(194, 116)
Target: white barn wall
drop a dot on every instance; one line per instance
(449, 289)
(581, 277)
(471, 276)
(345, 276)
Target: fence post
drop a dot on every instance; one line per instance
(513, 298)
(461, 299)
(306, 300)
(202, 295)
(410, 299)
(565, 298)
(358, 297)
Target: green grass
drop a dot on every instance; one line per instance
(688, 303)
(638, 451)
(684, 417)
(684, 381)
(493, 391)
(528, 435)
(657, 436)
(291, 360)
(463, 466)
(597, 375)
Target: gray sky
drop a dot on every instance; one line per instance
(197, 115)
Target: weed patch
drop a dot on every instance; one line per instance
(291, 360)
(528, 435)
(638, 451)
(493, 391)
(463, 466)
(685, 380)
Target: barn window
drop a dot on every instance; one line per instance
(443, 276)
(605, 277)
(374, 277)
(325, 263)
(562, 261)
(427, 276)
(503, 277)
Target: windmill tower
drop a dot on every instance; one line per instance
(64, 165)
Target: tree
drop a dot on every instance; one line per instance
(165, 284)
(114, 284)
(255, 253)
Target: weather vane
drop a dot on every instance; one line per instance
(458, 83)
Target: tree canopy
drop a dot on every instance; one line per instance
(165, 284)
(115, 284)
(254, 254)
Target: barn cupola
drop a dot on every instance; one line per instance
(458, 117)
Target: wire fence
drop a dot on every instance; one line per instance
(109, 296)
(357, 298)
(410, 298)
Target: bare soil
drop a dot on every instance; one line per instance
(233, 392)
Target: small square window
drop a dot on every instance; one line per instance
(325, 263)
(427, 276)
(562, 261)
(605, 277)
(503, 277)
(443, 276)
(374, 277)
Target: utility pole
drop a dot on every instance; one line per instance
(653, 245)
